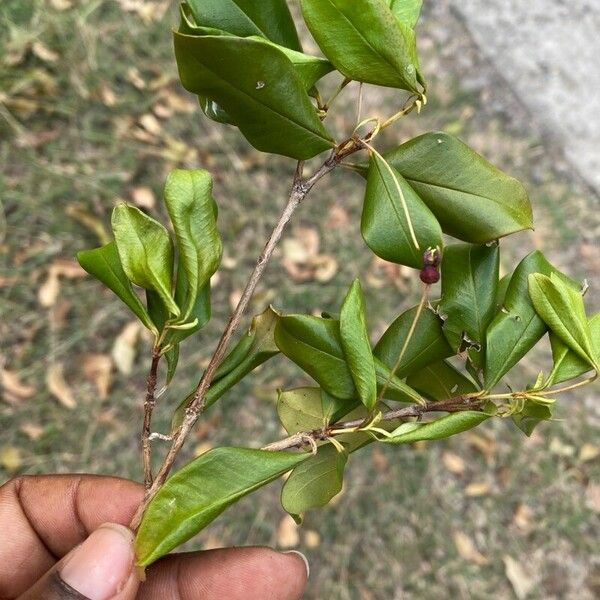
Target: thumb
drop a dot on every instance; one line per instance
(101, 568)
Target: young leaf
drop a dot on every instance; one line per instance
(365, 41)
(472, 199)
(201, 491)
(189, 202)
(440, 381)
(315, 482)
(427, 345)
(407, 11)
(531, 416)
(517, 327)
(562, 309)
(468, 303)
(270, 19)
(255, 348)
(200, 313)
(396, 224)
(258, 87)
(105, 265)
(314, 345)
(357, 348)
(567, 364)
(409, 433)
(146, 252)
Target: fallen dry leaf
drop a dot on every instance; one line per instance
(312, 539)
(124, 349)
(49, 290)
(10, 458)
(467, 550)
(592, 497)
(380, 460)
(453, 463)
(79, 213)
(65, 267)
(43, 52)
(588, 452)
(97, 369)
(143, 197)
(135, 78)
(13, 389)
(107, 95)
(325, 267)
(483, 444)
(32, 431)
(478, 488)
(61, 4)
(58, 387)
(287, 533)
(522, 583)
(523, 517)
(151, 124)
(559, 448)
(337, 217)
(202, 448)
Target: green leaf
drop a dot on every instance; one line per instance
(468, 303)
(567, 364)
(365, 41)
(427, 345)
(315, 482)
(440, 381)
(258, 87)
(314, 345)
(105, 265)
(407, 11)
(517, 327)
(255, 348)
(197, 494)
(452, 424)
(302, 409)
(172, 356)
(270, 19)
(562, 309)
(189, 202)
(531, 416)
(472, 199)
(201, 311)
(146, 252)
(396, 224)
(356, 345)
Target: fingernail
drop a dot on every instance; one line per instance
(304, 560)
(102, 565)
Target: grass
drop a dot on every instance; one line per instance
(95, 113)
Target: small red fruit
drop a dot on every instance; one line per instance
(429, 275)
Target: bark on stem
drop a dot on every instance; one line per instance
(149, 403)
(300, 189)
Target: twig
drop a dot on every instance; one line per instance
(300, 189)
(298, 440)
(149, 403)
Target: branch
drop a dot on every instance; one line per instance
(149, 403)
(300, 189)
(298, 440)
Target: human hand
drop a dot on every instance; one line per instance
(64, 537)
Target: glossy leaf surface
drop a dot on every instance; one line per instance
(315, 482)
(354, 336)
(427, 345)
(469, 288)
(258, 87)
(561, 308)
(270, 19)
(567, 364)
(517, 327)
(394, 218)
(197, 494)
(407, 11)
(189, 201)
(473, 200)
(365, 41)
(146, 252)
(105, 265)
(444, 427)
(440, 381)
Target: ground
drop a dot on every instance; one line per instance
(91, 112)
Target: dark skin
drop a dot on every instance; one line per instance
(43, 518)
